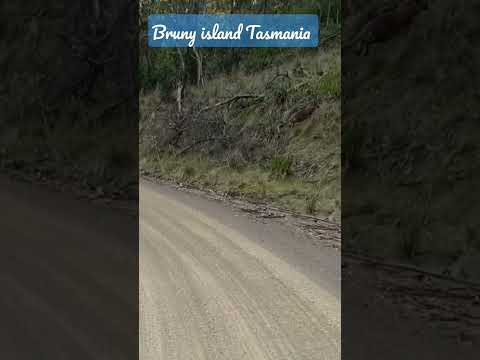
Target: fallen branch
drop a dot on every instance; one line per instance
(233, 99)
(330, 37)
(300, 85)
(270, 82)
(196, 143)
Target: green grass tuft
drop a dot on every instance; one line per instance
(281, 168)
(311, 204)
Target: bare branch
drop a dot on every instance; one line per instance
(233, 99)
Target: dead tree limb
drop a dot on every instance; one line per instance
(233, 99)
(196, 143)
(181, 81)
(278, 75)
(199, 60)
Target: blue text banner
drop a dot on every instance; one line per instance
(233, 30)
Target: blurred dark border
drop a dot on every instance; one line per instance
(69, 90)
(69, 179)
(410, 137)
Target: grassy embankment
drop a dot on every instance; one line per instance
(282, 148)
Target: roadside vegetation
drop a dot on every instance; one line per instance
(265, 128)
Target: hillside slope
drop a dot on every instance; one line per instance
(270, 136)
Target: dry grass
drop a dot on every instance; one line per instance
(252, 183)
(267, 158)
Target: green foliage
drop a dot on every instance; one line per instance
(255, 60)
(311, 204)
(281, 168)
(280, 95)
(253, 183)
(158, 68)
(330, 84)
(188, 172)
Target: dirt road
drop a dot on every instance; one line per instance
(216, 285)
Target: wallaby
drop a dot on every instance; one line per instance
(385, 26)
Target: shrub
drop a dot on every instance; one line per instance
(281, 168)
(280, 95)
(185, 173)
(158, 68)
(329, 85)
(311, 202)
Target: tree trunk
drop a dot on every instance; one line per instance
(181, 81)
(199, 59)
(265, 3)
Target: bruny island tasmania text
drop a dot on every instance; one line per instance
(254, 32)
